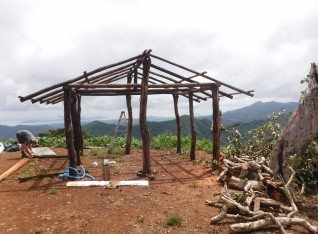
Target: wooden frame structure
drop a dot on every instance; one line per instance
(123, 78)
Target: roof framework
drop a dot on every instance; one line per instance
(143, 75)
(165, 77)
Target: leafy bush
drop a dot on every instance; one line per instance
(307, 167)
(260, 140)
(136, 143)
(263, 138)
(235, 145)
(52, 141)
(164, 141)
(205, 145)
(98, 141)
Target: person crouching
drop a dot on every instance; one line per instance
(27, 140)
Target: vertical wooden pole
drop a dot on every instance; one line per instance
(74, 120)
(143, 117)
(135, 77)
(216, 127)
(130, 119)
(79, 111)
(77, 128)
(69, 129)
(176, 112)
(193, 130)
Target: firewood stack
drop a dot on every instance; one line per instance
(263, 201)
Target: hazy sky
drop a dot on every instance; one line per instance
(263, 45)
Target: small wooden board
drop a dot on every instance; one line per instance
(14, 168)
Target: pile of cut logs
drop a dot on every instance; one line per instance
(262, 201)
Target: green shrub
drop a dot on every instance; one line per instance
(260, 140)
(55, 142)
(164, 141)
(306, 167)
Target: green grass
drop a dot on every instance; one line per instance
(174, 220)
(52, 191)
(29, 171)
(98, 152)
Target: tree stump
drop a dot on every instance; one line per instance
(300, 130)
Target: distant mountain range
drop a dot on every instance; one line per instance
(257, 111)
(249, 117)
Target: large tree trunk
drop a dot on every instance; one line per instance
(301, 129)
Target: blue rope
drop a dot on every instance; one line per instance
(79, 175)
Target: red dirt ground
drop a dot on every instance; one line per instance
(46, 205)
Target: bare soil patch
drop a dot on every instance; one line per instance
(46, 205)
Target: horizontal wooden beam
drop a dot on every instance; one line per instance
(134, 92)
(113, 86)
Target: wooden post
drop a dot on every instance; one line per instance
(77, 130)
(69, 129)
(143, 117)
(193, 130)
(80, 137)
(130, 118)
(175, 100)
(216, 127)
(76, 133)
(136, 77)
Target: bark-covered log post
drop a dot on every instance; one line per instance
(143, 118)
(77, 130)
(300, 130)
(193, 130)
(130, 118)
(216, 127)
(69, 129)
(176, 112)
(80, 137)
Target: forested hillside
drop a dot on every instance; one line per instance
(203, 128)
(248, 118)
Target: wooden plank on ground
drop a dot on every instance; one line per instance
(14, 168)
(106, 183)
(23, 179)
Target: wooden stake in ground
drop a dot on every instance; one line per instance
(14, 168)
